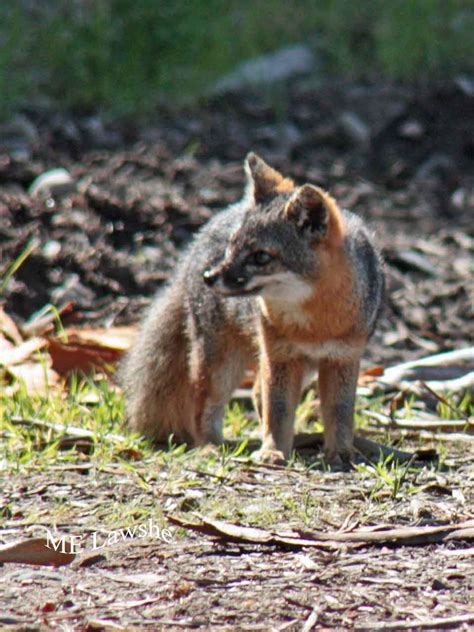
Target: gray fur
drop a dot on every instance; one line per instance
(202, 330)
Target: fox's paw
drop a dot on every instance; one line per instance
(271, 456)
(339, 460)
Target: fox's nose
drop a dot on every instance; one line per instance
(233, 280)
(210, 277)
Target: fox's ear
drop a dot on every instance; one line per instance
(310, 209)
(263, 180)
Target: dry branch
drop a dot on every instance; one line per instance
(443, 372)
(421, 424)
(401, 536)
(417, 624)
(69, 431)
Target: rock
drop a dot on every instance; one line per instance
(355, 128)
(465, 84)
(19, 137)
(51, 183)
(284, 64)
(411, 129)
(435, 166)
(51, 249)
(73, 290)
(412, 260)
(98, 135)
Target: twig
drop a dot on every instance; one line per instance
(444, 401)
(399, 536)
(73, 431)
(311, 620)
(423, 424)
(43, 322)
(461, 359)
(415, 624)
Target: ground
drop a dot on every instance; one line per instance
(401, 157)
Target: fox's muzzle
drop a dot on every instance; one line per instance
(224, 280)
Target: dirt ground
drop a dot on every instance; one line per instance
(401, 157)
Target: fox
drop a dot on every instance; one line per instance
(285, 282)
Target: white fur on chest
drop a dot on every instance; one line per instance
(284, 293)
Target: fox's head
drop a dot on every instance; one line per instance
(274, 252)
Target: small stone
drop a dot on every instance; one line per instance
(51, 249)
(50, 183)
(458, 198)
(438, 585)
(355, 128)
(19, 135)
(465, 84)
(411, 129)
(73, 290)
(267, 69)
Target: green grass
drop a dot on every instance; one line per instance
(28, 445)
(124, 57)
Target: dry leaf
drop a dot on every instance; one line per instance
(37, 377)
(90, 349)
(21, 352)
(85, 357)
(34, 551)
(120, 338)
(9, 329)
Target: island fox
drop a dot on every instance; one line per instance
(283, 280)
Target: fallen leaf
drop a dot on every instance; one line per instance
(43, 322)
(368, 375)
(120, 338)
(34, 551)
(89, 349)
(81, 356)
(23, 351)
(37, 378)
(9, 329)
(5, 345)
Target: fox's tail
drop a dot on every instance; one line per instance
(154, 374)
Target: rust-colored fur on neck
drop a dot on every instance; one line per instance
(333, 308)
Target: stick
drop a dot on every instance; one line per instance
(398, 536)
(424, 424)
(453, 370)
(73, 431)
(414, 624)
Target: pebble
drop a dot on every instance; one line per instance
(73, 290)
(411, 129)
(282, 65)
(54, 182)
(355, 128)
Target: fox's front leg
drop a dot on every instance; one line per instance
(337, 389)
(280, 391)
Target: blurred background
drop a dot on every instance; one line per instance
(125, 57)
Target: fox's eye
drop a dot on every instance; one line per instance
(261, 258)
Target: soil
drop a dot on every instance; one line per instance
(401, 157)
